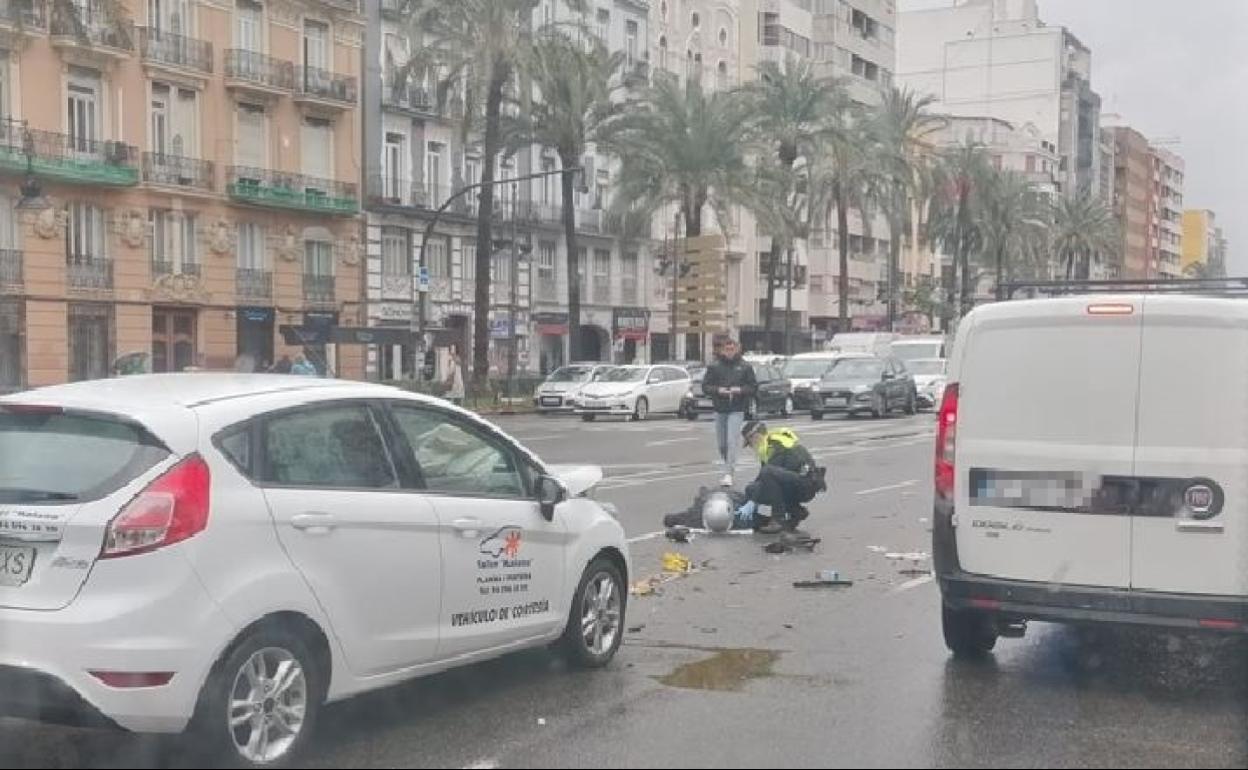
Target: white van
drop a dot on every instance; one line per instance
(874, 343)
(1101, 466)
(916, 348)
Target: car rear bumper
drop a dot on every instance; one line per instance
(135, 618)
(1053, 602)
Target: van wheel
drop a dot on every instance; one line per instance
(588, 417)
(596, 622)
(816, 415)
(260, 704)
(968, 633)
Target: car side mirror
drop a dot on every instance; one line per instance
(549, 494)
(888, 376)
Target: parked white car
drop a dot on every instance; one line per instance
(560, 390)
(635, 391)
(225, 553)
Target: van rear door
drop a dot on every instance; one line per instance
(1190, 533)
(1045, 438)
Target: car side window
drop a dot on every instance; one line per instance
(672, 374)
(333, 446)
(456, 458)
(235, 444)
(899, 366)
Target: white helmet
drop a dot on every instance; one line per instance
(717, 512)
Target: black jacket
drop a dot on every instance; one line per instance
(734, 373)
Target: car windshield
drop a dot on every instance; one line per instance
(697, 375)
(856, 369)
(806, 367)
(926, 366)
(601, 373)
(625, 374)
(570, 374)
(910, 351)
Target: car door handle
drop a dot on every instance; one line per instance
(467, 527)
(1207, 527)
(314, 523)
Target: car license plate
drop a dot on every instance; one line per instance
(836, 401)
(548, 401)
(593, 402)
(704, 403)
(16, 564)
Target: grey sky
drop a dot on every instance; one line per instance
(1172, 68)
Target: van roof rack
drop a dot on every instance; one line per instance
(1226, 287)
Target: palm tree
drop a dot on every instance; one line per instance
(576, 83)
(899, 129)
(1083, 226)
(483, 47)
(680, 145)
(958, 191)
(790, 107)
(1013, 219)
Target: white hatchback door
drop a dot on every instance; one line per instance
(367, 547)
(675, 386)
(1046, 441)
(1189, 534)
(504, 575)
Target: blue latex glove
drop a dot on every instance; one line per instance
(745, 514)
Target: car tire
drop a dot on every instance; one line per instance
(968, 633)
(816, 415)
(786, 409)
(691, 415)
(588, 417)
(753, 409)
(269, 647)
(912, 406)
(879, 406)
(577, 644)
(641, 410)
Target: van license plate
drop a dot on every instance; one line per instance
(16, 565)
(835, 401)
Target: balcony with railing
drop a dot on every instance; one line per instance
(177, 171)
(162, 266)
(253, 283)
(12, 275)
(24, 14)
(178, 52)
(101, 26)
(318, 289)
(90, 273)
(392, 191)
(254, 71)
(276, 189)
(65, 157)
(324, 88)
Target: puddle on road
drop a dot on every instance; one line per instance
(726, 670)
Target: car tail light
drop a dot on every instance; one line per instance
(1218, 624)
(126, 680)
(1111, 308)
(32, 409)
(171, 509)
(946, 440)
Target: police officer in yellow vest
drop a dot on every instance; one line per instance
(789, 477)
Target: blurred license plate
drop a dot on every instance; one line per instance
(15, 565)
(548, 401)
(704, 403)
(836, 401)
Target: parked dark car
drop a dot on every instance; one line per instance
(875, 385)
(774, 395)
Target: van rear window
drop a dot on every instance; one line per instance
(52, 457)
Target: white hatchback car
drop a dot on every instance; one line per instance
(225, 553)
(635, 391)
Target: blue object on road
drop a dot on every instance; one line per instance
(745, 514)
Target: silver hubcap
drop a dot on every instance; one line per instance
(600, 614)
(267, 705)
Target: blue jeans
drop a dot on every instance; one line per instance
(728, 438)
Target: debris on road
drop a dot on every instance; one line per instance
(675, 566)
(915, 556)
(679, 534)
(877, 549)
(820, 583)
(541, 721)
(675, 562)
(637, 629)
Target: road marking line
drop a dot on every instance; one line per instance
(667, 441)
(902, 485)
(482, 764)
(906, 586)
(523, 439)
(647, 536)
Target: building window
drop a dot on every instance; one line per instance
(582, 271)
(723, 37)
(433, 173)
(85, 237)
(91, 341)
(602, 276)
(439, 260)
(316, 46)
(318, 258)
(251, 246)
(395, 254)
(175, 117)
(84, 111)
(721, 76)
(695, 21)
(663, 53)
(173, 243)
(395, 179)
(12, 354)
(251, 145)
(173, 340)
(547, 271)
(318, 148)
(864, 25)
(249, 26)
(550, 183)
(628, 277)
(603, 26)
(865, 69)
(630, 41)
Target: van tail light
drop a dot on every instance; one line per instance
(129, 680)
(171, 509)
(946, 440)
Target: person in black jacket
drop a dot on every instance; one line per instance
(730, 384)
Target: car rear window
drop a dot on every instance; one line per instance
(52, 457)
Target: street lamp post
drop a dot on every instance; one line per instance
(418, 319)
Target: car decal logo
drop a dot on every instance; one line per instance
(505, 541)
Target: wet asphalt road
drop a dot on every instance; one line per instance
(733, 666)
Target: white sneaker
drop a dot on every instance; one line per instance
(726, 481)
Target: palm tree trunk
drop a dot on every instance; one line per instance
(842, 233)
(485, 221)
(964, 252)
(894, 257)
(1000, 273)
(573, 257)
